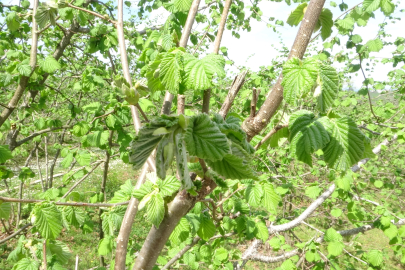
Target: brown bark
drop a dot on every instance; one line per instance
(181, 101)
(167, 103)
(253, 125)
(233, 91)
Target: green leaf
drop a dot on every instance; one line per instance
(335, 248)
(80, 129)
(25, 173)
(5, 153)
(98, 138)
(83, 158)
(356, 39)
(375, 257)
(13, 21)
(75, 216)
(67, 160)
(155, 209)
(171, 68)
(181, 232)
(232, 167)
(48, 220)
(347, 23)
(166, 41)
(336, 212)
(204, 139)
(313, 191)
(276, 139)
(270, 198)
(182, 5)
(346, 146)
(221, 254)
(26, 264)
(144, 190)
(344, 182)
(206, 252)
(312, 255)
(297, 15)
(326, 19)
(387, 7)
(378, 184)
(24, 69)
(329, 86)
(5, 209)
(262, 231)
(5, 79)
(371, 5)
(391, 231)
(307, 134)
(50, 64)
(254, 194)
(105, 246)
(40, 123)
(142, 146)
(169, 186)
(59, 250)
(199, 72)
(374, 45)
(207, 228)
(299, 78)
(46, 14)
(331, 235)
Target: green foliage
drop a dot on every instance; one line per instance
(204, 139)
(46, 217)
(5, 153)
(307, 135)
(299, 78)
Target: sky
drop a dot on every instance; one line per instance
(258, 47)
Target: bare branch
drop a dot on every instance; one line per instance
(15, 233)
(82, 179)
(233, 91)
(92, 13)
(268, 136)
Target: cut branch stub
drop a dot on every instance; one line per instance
(253, 125)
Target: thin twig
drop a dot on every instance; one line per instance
(93, 13)
(15, 234)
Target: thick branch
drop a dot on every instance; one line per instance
(305, 214)
(253, 126)
(233, 91)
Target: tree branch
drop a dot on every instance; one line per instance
(252, 126)
(15, 233)
(233, 91)
(92, 13)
